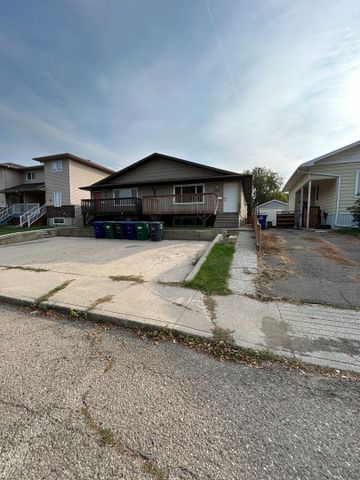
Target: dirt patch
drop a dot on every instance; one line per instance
(271, 243)
(333, 254)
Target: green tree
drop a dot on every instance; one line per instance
(355, 211)
(266, 185)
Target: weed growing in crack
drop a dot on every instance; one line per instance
(223, 336)
(106, 437)
(157, 472)
(99, 301)
(127, 278)
(51, 293)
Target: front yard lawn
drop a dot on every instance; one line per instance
(6, 230)
(213, 275)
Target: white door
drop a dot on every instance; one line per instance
(230, 197)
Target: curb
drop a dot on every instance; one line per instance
(203, 257)
(95, 317)
(27, 236)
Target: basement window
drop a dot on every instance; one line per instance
(58, 221)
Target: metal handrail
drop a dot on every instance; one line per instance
(24, 217)
(38, 213)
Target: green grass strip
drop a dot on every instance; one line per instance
(213, 276)
(355, 232)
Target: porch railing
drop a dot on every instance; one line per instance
(189, 203)
(111, 206)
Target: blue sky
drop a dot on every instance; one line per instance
(232, 83)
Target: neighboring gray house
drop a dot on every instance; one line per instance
(174, 190)
(322, 190)
(51, 189)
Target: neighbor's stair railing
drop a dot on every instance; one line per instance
(35, 214)
(5, 213)
(23, 219)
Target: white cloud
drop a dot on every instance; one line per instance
(301, 96)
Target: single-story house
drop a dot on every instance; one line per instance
(271, 208)
(177, 191)
(322, 190)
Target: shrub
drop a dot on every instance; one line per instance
(355, 212)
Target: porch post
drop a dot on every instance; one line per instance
(301, 206)
(308, 205)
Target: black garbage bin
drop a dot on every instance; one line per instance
(119, 230)
(156, 231)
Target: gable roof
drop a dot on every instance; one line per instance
(13, 166)
(296, 175)
(148, 158)
(271, 201)
(70, 156)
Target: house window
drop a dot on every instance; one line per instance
(126, 193)
(57, 199)
(58, 221)
(189, 193)
(56, 166)
(30, 175)
(357, 183)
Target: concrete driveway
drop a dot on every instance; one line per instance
(167, 261)
(313, 267)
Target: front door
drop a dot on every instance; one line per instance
(230, 197)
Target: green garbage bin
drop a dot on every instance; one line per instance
(142, 230)
(109, 229)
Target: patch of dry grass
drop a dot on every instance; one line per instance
(99, 301)
(127, 278)
(271, 243)
(333, 254)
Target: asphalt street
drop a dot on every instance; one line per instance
(81, 401)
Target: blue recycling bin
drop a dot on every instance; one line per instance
(130, 231)
(99, 229)
(262, 221)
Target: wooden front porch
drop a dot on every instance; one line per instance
(182, 204)
(105, 207)
(201, 204)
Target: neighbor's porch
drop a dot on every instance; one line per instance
(316, 202)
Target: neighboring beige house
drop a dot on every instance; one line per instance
(51, 188)
(174, 190)
(322, 190)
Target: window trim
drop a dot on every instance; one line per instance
(56, 162)
(58, 223)
(32, 173)
(131, 188)
(357, 183)
(188, 185)
(57, 204)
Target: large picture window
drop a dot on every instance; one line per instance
(189, 193)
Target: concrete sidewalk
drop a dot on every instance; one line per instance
(312, 333)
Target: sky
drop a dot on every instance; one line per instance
(229, 83)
